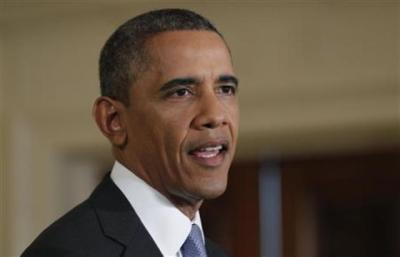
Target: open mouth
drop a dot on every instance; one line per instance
(210, 154)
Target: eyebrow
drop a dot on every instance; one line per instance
(228, 79)
(184, 81)
(179, 82)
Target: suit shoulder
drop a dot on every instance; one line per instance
(75, 234)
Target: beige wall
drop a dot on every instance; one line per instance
(2, 156)
(314, 78)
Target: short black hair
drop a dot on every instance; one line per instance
(124, 56)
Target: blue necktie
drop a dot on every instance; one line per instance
(194, 245)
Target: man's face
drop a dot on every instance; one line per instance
(182, 121)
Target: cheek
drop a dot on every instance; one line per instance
(171, 125)
(146, 131)
(233, 111)
(171, 129)
(178, 119)
(175, 133)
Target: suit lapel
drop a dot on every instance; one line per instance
(120, 222)
(213, 250)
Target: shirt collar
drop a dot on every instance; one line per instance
(166, 224)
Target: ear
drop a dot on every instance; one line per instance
(108, 116)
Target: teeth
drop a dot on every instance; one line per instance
(212, 149)
(208, 152)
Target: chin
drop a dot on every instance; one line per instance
(211, 190)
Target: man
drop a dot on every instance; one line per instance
(169, 109)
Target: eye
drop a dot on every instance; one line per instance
(227, 90)
(181, 92)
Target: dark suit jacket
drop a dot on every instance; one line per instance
(105, 225)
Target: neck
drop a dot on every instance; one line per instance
(185, 203)
(186, 207)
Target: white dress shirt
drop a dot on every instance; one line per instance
(166, 224)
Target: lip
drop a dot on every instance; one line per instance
(210, 160)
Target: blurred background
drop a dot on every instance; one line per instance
(317, 172)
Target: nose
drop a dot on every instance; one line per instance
(211, 113)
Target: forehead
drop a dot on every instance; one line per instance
(188, 49)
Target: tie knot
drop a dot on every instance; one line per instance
(194, 245)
